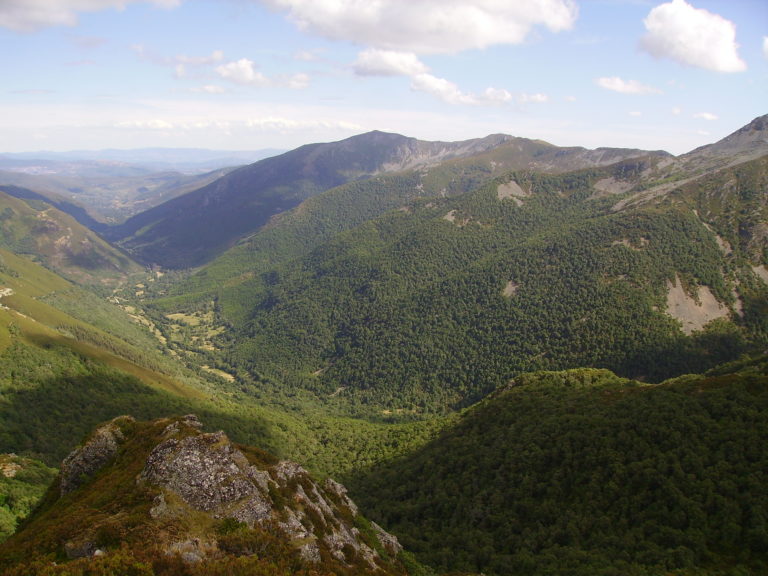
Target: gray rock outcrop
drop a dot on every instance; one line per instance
(207, 473)
(86, 460)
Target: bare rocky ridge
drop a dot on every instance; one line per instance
(747, 143)
(190, 472)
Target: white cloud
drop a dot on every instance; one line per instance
(705, 116)
(31, 15)
(765, 47)
(210, 89)
(449, 92)
(441, 88)
(499, 95)
(692, 36)
(676, 111)
(635, 113)
(281, 124)
(428, 26)
(244, 72)
(373, 62)
(180, 62)
(215, 56)
(533, 98)
(298, 81)
(616, 84)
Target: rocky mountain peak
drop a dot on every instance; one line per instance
(194, 489)
(206, 472)
(746, 143)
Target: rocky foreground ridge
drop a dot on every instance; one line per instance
(168, 495)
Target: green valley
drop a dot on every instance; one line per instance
(520, 359)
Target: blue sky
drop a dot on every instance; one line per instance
(252, 74)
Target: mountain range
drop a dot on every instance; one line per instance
(567, 338)
(196, 227)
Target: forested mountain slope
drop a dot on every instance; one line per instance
(438, 302)
(194, 228)
(70, 358)
(584, 473)
(346, 332)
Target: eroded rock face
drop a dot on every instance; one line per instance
(206, 472)
(83, 462)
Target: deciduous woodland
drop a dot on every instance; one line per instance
(496, 357)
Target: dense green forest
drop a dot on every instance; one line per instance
(70, 359)
(54, 389)
(433, 305)
(407, 333)
(582, 472)
(23, 482)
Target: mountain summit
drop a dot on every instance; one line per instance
(748, 142)
(192, 229)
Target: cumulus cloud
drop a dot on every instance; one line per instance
(441, 88)
(242, 71)
(449, 92)
(692, 36)
(31, 15)
(705, 116)
(617, 84)
(375, 62)
(428, 26)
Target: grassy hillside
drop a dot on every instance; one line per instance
(582, 472)
(35, 228)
